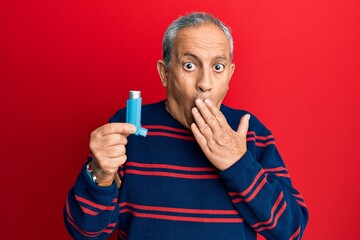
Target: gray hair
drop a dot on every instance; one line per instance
(191, 20)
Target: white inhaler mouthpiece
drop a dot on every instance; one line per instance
(133, 112)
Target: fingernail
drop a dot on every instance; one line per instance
(208, 101)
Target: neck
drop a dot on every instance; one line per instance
(183, 121)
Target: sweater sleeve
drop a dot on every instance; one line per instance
(260, 188)
(91, 211)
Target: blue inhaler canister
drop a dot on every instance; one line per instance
(133, 112)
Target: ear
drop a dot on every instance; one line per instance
(162, 72)
(231, 71)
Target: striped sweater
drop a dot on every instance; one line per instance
(171, 191)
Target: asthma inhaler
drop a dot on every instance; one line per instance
(133, 112)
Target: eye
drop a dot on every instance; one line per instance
(219, 67)
(189, 66)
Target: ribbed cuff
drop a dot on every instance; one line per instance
(239, 167)
(93, 187)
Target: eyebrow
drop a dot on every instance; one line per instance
(189, 55)
(217, 57)
(221, 57)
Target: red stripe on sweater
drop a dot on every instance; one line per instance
(300, 200)
(172, 135)
(166, 128)
(182, 218)
(237, 200)
(88, 211)
(264, 144)
(68, 209)
(191, 138)
(95, 205)
(175, 175)
(261, 172)
(276, 204)
(277, 169)
(121, 172)
(301, 203)
(256, 191)
(122, 235)
(81, 231)
(260, 137)
(286, 175)
(298, 196)
(295, 234)
(246, 191)
(178, 210)
(71, 220)
(278, 215)
(174, 167)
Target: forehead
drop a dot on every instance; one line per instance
(207, 39)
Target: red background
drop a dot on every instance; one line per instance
(67, 66)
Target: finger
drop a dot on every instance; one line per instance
(115, 151)
(119, 128)
(206, 114)
(114, 139)
(201, 125)
(243, 125)
(216, 112)
(198, 136)
(112, 163)
(117, 162)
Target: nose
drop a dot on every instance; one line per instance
(204, 82)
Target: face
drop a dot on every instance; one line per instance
(200, 67)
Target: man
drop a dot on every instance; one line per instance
(205, 171)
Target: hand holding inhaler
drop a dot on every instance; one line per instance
(107, 143)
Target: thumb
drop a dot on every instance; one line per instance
(243, 125)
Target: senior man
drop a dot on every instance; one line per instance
(205, 171)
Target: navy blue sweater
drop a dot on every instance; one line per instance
(171, 191)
